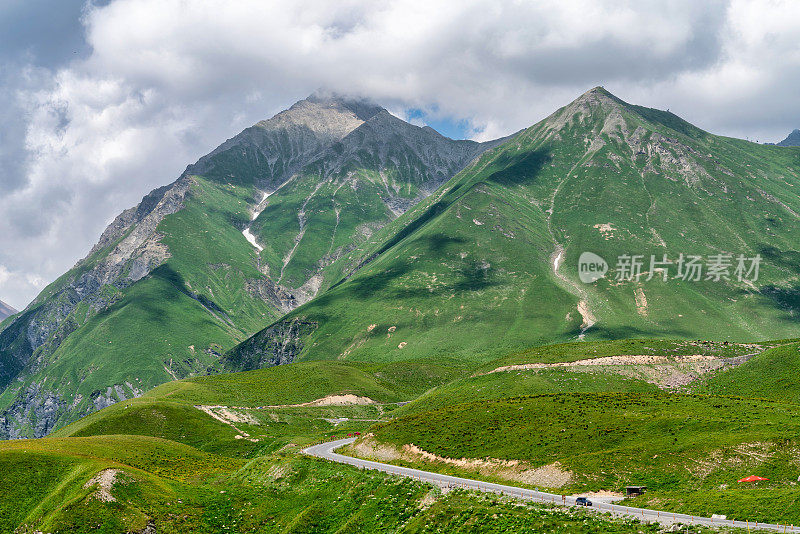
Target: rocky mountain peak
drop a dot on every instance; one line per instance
(329, 116)
(595, 107)
(362, 108)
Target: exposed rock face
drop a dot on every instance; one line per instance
(267, 290)
(141, 250)
(271, 151)
(277, 345)
(33, 407)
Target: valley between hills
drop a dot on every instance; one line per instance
(337, 271)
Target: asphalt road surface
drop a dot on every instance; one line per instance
(326, 451)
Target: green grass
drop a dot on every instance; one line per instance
(674, 444)
(275, 493)
(169, 412)
(188, 472)
(460, 512)
(173, 421)
(308, 381)
(267, 430)
(43, 481)
(772, 375)
(505, 385)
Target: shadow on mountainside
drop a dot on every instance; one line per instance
(785, 259)
(612, 333)
(786, 299)
(518, 169)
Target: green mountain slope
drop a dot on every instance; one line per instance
(353, 189)
(489, 263)
(181, 278)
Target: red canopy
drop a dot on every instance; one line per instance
(752, 478)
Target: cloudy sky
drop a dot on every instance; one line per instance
(102, 101)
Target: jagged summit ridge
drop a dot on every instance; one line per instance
(273, 150)
(330, 116)
(594, 105)
(363, 108)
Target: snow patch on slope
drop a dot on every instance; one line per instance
(253, 216)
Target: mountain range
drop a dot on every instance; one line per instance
(336, 231)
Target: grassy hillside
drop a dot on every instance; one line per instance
(470, 271)
(274, 493)
(674, 444)
(55, 495)
(185, 470)
(264, 415)
(309, 381)
(770, 375)
(171, 324)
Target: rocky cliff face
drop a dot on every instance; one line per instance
(276, 345)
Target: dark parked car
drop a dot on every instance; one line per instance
(583, 501)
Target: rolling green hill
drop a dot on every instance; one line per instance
(770, 375)
(181, 278)
(161, 485)
(180, 468)
(682, 447)
(489, 264)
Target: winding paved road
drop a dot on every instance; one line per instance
(326, 451)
